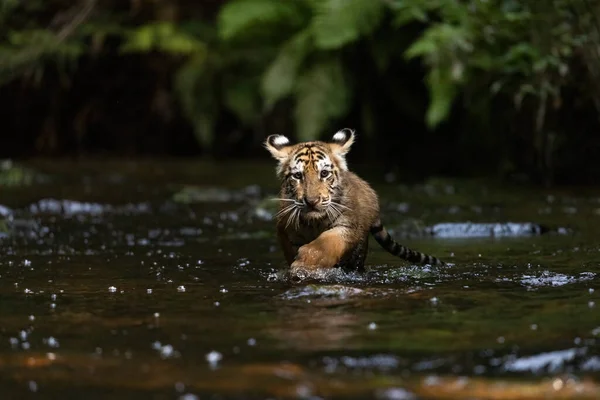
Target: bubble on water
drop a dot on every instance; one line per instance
(32, 317)
(591, 290)
(181, 288)
(223, 290)
(500, 339)
(27, 291)
(51, 342)
(213, 358)
(33, 386)
(23, 335)
(189, 396)
(179, 387)
(557, 384)
(591, 304)
(112, 289)
(533, 327)
(432, 380)
(434, 300)
(217, 304)
(26, 263)
(51, 356)
(149, 291)
(372, 326)
(14, 342)
(251, 342)
(156, 315)
(479, 369)
(25, 345)
(52, 297)
(395, 394)
(52, 305)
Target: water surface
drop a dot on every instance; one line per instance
(162, 280)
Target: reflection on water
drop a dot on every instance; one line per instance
(120, 284)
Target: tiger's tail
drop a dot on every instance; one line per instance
(386, 241)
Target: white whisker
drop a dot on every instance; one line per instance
(282, 199)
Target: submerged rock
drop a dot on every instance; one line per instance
(473, 230)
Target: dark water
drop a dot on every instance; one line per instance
(119, 281)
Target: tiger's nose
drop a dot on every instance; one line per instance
(312, 202)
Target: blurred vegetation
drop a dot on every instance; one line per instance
(494, 87)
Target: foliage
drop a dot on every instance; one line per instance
(305, 57)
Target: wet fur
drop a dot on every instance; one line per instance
(335, 232)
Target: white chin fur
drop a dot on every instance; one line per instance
(280, 141)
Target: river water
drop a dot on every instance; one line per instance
(162, 280)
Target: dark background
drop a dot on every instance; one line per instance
(145, 78)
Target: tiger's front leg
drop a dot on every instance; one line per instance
(323, 252)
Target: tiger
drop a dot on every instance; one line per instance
(327, 212)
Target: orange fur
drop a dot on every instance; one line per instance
(327, 212)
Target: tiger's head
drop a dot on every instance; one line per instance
(311, 173)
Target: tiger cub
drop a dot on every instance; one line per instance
(327, 212)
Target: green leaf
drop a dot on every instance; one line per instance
(280, 77)
(241, 97)
(321, 95)
(339, 22)
(238, 16)
(442, 90)
(162, 36)
(194, 87)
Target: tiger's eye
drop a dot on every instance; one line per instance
(325, 174)
(297, 175)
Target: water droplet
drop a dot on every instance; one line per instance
(189, 396)
(179, 387)
(213, 358)
(558, 384)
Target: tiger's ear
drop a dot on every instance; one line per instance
(340, 145)
(279, 146)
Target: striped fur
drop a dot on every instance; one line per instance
(386, 241)
(327, 212)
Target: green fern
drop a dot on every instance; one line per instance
(193, 84)
(280, 77)
(241, 97)
(339, 22)
(440, 47)
(322, 94)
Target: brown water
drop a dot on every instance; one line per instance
(118, 282)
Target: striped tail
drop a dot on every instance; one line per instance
(386, 241)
